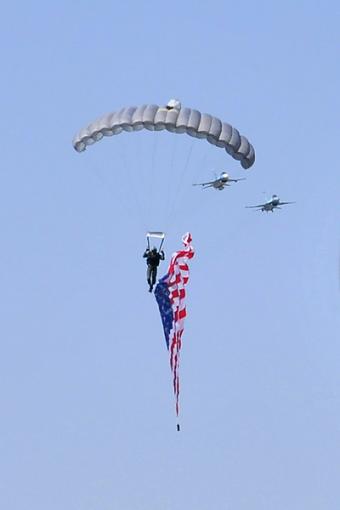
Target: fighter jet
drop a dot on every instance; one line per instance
(270, 205)
(220, 182)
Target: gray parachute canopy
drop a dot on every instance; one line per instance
(176, 120)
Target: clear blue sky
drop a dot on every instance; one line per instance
(86, 407)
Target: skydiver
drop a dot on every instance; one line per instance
(152, 259)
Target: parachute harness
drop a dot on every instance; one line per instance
(170, 294)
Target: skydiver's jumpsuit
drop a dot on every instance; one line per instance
(152, 260)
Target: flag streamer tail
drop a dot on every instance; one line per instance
(170, 294)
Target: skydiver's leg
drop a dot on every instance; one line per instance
(154, 275)
(149, 277)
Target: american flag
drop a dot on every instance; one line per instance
(170, 296)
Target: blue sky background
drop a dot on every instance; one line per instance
(87, 415)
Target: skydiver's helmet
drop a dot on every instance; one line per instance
(154, 249)
(173, 104)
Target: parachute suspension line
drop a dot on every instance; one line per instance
(194, 212)
(107, 186)
(151, 183)
(202, 165)
(102, 181)
(160, 246)
(141, 210)
(155, 235)
(170, 179)
(178, 190)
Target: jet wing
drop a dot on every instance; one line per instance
(252, 206)
(204, 183)
(285, 203)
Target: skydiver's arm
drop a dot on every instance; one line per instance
(162, 256)
(146, 253)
